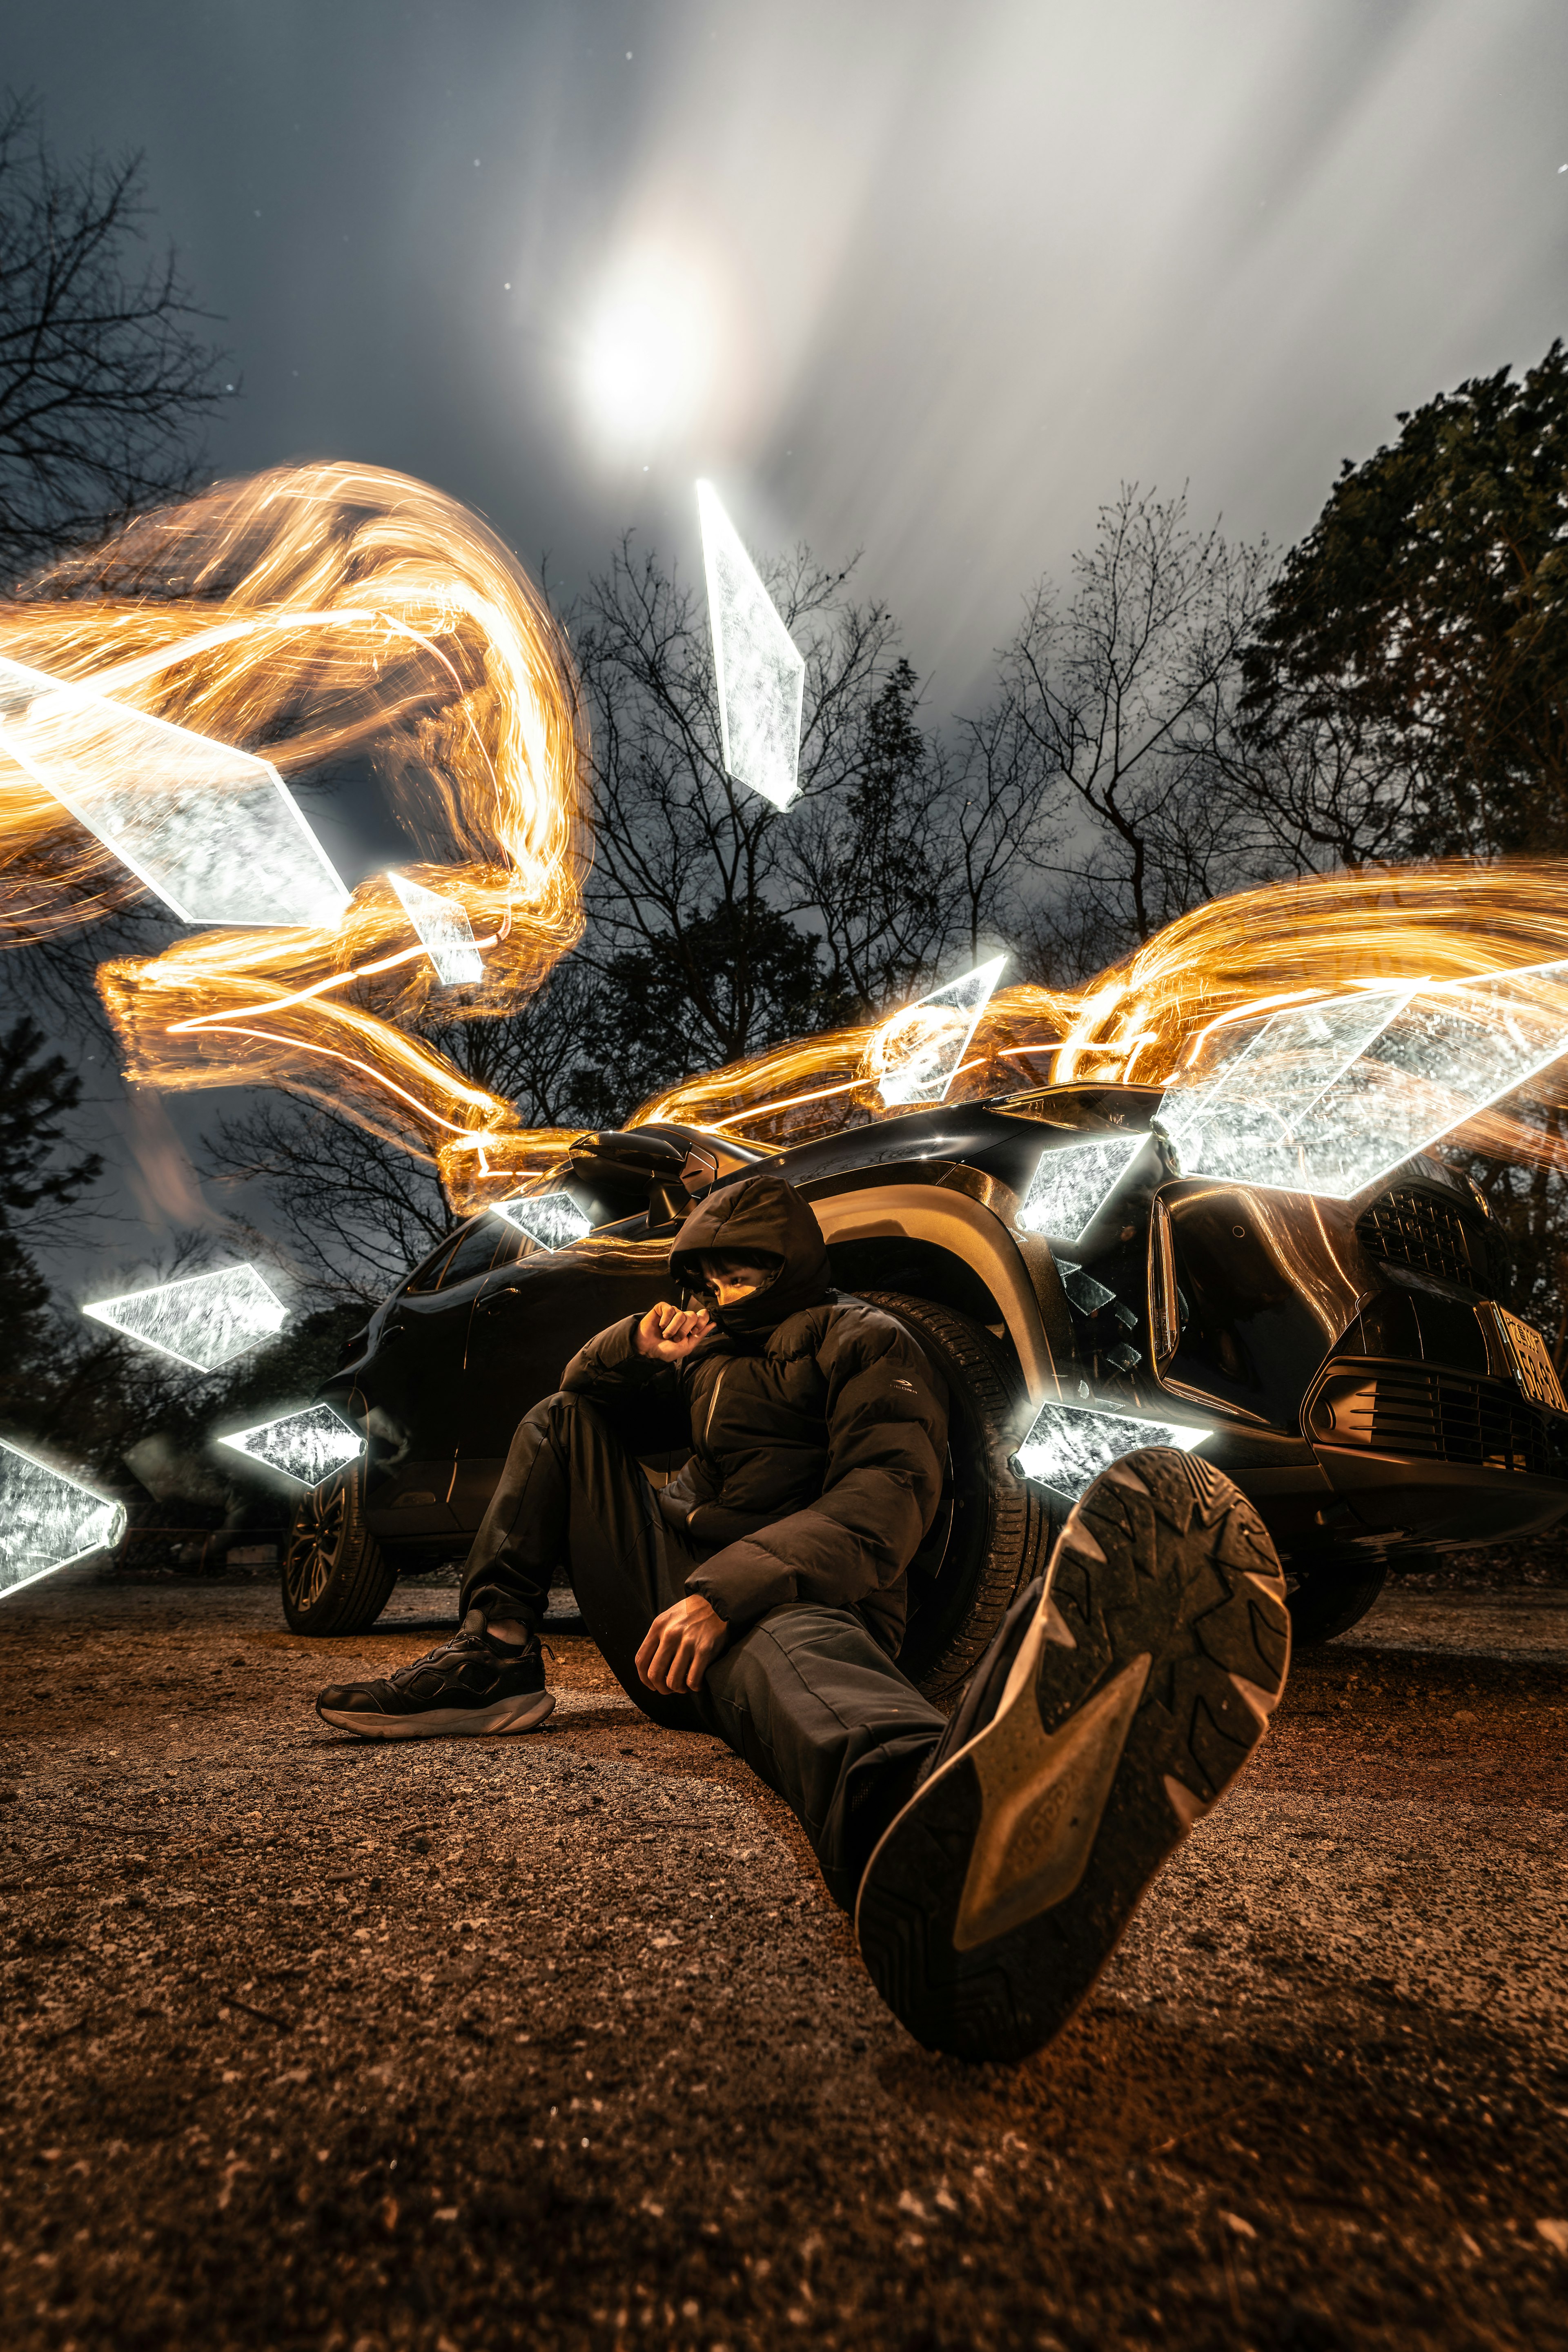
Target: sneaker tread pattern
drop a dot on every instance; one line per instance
(1163, 1555)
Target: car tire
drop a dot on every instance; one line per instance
(994, 1528)
(1330, 1601)
(336, 1577)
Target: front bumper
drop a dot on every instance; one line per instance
(1419, 1454)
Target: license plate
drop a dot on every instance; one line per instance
(1532, 1365)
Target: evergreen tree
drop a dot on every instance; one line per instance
(1425, 615)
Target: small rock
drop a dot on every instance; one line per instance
(1555, 2234)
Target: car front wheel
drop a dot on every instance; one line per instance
(992, 1528)
(336, 1578)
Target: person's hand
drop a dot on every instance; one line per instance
(671, 1333)
(676, 1647)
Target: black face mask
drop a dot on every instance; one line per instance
(763, 1219)
(744, 1318)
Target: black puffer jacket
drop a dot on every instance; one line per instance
(819, 1428)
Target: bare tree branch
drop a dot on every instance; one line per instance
(102, 378)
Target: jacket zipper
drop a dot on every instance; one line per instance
(706, 1430)
(713, 1402)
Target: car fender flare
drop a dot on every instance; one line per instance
(941, 1207)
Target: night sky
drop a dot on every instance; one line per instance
(923, 280)
(927, 281)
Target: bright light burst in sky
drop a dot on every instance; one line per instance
(651, 349)
(204, 1322)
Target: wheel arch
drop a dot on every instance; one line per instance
(955, 1226)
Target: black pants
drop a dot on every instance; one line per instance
(814, 1705)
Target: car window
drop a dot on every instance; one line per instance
(489, 1241)
(428, 1275)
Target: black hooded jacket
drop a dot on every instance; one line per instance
(819, 1428)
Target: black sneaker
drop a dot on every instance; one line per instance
(1125, 1694)
(470, 1686)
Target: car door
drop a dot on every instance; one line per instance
(410, 1384)
(528, 1319)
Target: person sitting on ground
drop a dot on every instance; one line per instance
(993, 1859)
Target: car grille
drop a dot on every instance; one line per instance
(1439, 1417)
(1408, 1228)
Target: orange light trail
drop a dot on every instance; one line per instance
(311, 615)
(317, 613)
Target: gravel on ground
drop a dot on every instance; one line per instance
(558, 2040)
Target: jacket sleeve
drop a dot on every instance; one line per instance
(887, 1437)
(609, 1366)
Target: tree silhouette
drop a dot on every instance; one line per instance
(104, 379)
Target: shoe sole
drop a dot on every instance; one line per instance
(510, 1715)
(1157, 1652)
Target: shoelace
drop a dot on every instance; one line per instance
(443, 1650)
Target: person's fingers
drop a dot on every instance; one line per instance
(650, 1663)
(659, 1676)
(698, 1646)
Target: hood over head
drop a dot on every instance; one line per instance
(760, 1216)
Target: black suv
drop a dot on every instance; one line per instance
(1348, 1363)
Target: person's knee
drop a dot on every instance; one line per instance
(769, 1659)
(802, 1629)
(556, 1417)
(563, 1404)
(805, 1665)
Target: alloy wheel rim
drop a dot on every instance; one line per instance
(315, 1545)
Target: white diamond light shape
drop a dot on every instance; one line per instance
(444, 927)
(761, 675)
(553, 1220)
(304, 1446)
(1334, 1109)
(206, 1321)
(1248, 1117)
(46, 1519)
(1068, 1445)
(915, 1056)
(1072, 1180)
(215, 832)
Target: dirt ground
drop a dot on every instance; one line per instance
(558, 2040)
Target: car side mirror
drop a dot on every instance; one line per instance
(631, 1164)
(624, 1156)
